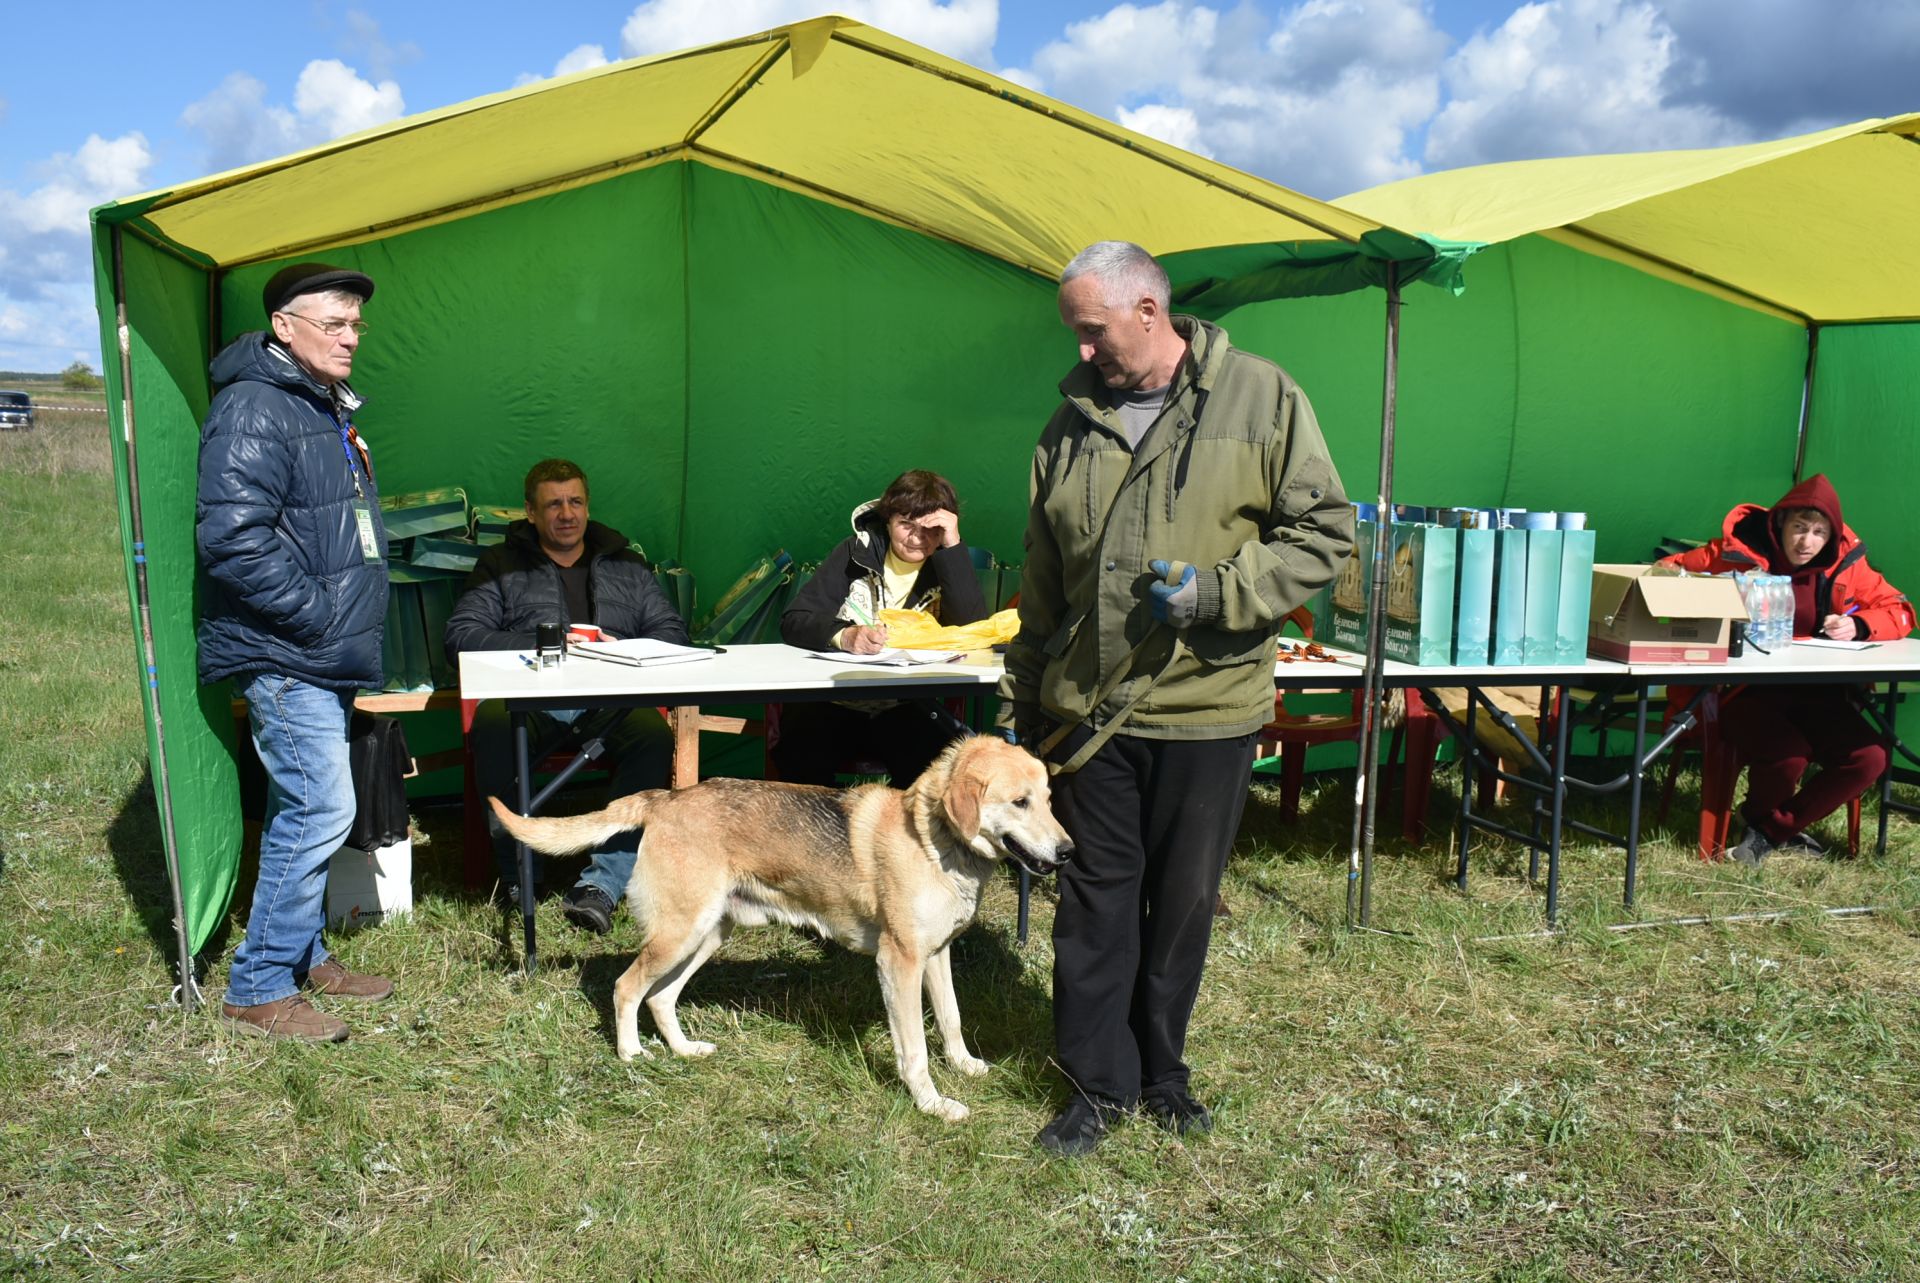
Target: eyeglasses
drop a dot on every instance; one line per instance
(330, 328)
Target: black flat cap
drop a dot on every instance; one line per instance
(290, 283)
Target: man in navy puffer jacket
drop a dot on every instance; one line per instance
(294, 593)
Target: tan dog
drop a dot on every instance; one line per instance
(883, 871)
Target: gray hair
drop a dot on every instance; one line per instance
(1126, 271)
(339, 298)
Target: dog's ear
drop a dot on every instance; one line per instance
(966, 787)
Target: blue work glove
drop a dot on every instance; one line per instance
(1176, 598)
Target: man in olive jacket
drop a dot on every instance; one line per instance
(558, 567)
(1183, 502)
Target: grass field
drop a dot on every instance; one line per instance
(1726, 1102)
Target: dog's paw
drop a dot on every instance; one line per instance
(689, 1047)
(971, 1066)
(638, 1049)
(946, 1108)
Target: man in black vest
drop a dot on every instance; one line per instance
(559, 567)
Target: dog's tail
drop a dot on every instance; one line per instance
(572, 834)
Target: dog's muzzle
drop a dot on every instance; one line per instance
(1038, 865)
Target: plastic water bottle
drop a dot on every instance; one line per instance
(1756, 602)
(1744, 582)
(1784, 585)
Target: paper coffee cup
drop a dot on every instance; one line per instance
(585, 632)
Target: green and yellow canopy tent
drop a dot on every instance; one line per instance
(1753, 268)
(1651, 352)
(742, 285)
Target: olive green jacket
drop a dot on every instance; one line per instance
(1234, 478)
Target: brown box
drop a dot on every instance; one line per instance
(1648, 615)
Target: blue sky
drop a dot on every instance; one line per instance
(1325, 96)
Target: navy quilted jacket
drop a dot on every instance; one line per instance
(286, 588)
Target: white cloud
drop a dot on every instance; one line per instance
(1785, 66)
(365, 42)
(47, 316)
(580, 59)
(963, 29)
(1323, 100)
(240, 126)
(1569, 77)
(334, 100)
(1176, 125)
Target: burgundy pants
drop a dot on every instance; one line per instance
(1779, 732)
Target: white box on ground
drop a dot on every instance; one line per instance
(365, 887)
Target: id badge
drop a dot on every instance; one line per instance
(370, 549)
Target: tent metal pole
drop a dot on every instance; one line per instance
(1360, 855)
(188, 989)
(1806, 400)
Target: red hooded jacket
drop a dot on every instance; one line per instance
(1837, 577)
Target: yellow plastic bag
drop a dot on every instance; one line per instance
(917, 630)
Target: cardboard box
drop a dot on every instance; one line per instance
(365, 887)
(1420, 583)
(1509, 596)
(1473, 599)
(1576, 593)
(1639, 616)
(1352, 590)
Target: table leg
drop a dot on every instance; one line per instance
(1634, 789)
(1558, 776)
(1469, 767)
(523, 788)
(1886, 778)
(686, 746)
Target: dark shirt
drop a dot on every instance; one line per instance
(573, 582)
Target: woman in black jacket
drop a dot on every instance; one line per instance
(904, 553)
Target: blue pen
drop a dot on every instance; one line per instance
(1850, 610)
(529, 663)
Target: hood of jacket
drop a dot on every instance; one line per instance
(869, 535)
(257, 357)
(599, 540)
(1755, 530)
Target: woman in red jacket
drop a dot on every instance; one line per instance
(1780, 730)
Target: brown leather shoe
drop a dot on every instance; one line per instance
(290, 1017)
(336, 981)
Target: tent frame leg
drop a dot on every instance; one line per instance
(187, 991)
(1366, 772)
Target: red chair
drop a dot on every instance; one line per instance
(1292, 734)
(1720, 767)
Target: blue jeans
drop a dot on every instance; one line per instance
(640, 744)
(300, 732)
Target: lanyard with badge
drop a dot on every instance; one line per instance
(370, 549)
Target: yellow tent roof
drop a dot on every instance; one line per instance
(1816, 227)
(830, 107)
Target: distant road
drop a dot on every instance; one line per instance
(84, 409)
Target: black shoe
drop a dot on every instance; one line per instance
(1077, 1129)
(1175, 1110)
(1804, 844)
(588, 908)
(1753, 848)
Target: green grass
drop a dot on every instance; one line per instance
(1726, 1102)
